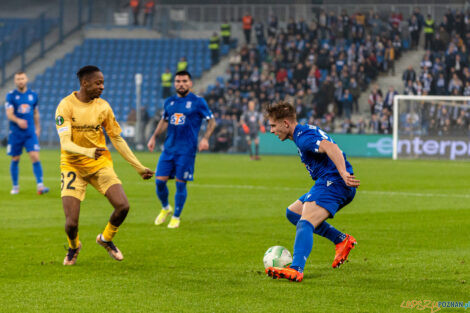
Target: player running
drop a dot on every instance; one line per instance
(182, 118)
(22, 110)
(81, 118)
(335, 187)
(252, 123)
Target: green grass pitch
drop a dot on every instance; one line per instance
(411, 220)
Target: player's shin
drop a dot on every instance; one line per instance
(329, 232)
(180, 198)
(109, 232)
(73, 242)
(303, 244)
(162, 192)
(14, 171)
(37, 169)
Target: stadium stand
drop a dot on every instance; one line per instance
(120, 60)
(11, 30)
(444, 70)
(313, 64)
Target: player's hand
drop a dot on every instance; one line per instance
(203, 144)
(246, 129)
(99, 152)
(151, 144)
(23, 124)
(38, 132)
(350, 180)
(147, 174)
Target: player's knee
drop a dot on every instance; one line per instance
(180, 186)
(15, 158)
(292, 216)
(160, 183)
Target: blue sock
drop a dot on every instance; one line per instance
(162, 192)
(37, 170)
(329, 232)
(14, 172)
(324, 229)
(303, 244)
(180, 198)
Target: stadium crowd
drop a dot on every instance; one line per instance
(322, 66)
(444, 70)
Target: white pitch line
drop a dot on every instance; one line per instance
(372, 192)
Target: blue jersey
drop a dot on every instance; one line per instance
(184, 116)
(319, 165)
(23, 105)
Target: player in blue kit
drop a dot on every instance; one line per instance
(182, 118)
(21, 107)
(335, 187)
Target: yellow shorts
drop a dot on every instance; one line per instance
(74, 185)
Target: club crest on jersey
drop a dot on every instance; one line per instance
(172, 102)
(188, 105)
(24, 108)
(178, 119)
(30, 97)
(59, 120)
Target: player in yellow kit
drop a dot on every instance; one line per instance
(80, 119)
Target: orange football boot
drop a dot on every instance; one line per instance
(342, 250)
(284, 272)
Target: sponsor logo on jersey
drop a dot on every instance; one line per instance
(328, 183)
(86, 128)
(24, 108)
(178, 119)
(59, 120)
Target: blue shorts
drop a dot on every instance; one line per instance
(16, 142)
(332, 195)
(180, 166)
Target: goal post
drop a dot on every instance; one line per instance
(433, 127)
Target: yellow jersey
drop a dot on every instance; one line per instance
(86, 121)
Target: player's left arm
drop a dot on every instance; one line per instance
(207, 114)
(204, 143)
(336, 155)
(121, 146)
(37, 124)
(114, 132)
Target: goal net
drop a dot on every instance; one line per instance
(432, 127)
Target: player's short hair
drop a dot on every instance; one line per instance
(87, 70)
(183, 73)
(20, 73)
(280, 110)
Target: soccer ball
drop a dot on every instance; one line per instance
(277, 256)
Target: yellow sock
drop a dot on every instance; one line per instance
(73, 243)
(109, 232)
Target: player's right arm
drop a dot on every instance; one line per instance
(336, 155)
(63, 120)
(10, 111)
(161, 127)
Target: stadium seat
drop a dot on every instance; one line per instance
(120, 60)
